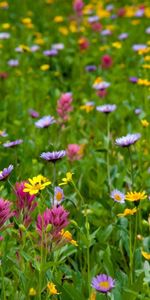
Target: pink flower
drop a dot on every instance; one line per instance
(83, 43)
(5, 212)
(64, 106)
(78, 6)
(96, 26)
(74, 152)
(106, 61)
(25, 203)
(56, 216)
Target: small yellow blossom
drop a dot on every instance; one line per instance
(87, 107)
(144, 123)
(52, 288)
(67, 179)
(58, 19)
(93, 296)
(4, 4)
(111, 27)
(147, 12)
(36, 184)
(44, 67)
(6, 26)
(147, 57)
(49, 1)
(127, 212)
(68, 236)
(32, 292)
(24, 48)
(134, 196)
(146, 66)
(130, 11)
(117, 45)
(135, 22)
(73, 26)
(103, 48)
(63, 30)
(146, 255)
(26, 21)
(39, 41)
(144, 82)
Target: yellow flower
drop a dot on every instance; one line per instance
(6, 26)
(129, 11)
(49, 1)
(87, 107)
(63, 30)
(146, 66)
(144, 123)
(44, 67)
(68, 236)
(146, 255)
(73, 26)
(103, 48)
(26, 21)
(58, 19)
(67, 179)
(144, 82)
(147, 12)
(134, 196)
(52, 288)
(128, 212)
(93, 296)
(24, 48)
(135, 22)
(39, 41)
(4, 4)
(147, 58)
(36, 184)
(32, 292)
(117, 45)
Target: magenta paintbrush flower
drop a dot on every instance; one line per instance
(5, 211)
(64, 106)
(56, 216)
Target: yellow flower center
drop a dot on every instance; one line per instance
(117, 197)
(104, 284)
(59, 196)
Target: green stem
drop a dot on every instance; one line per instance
(130, 250)
(108, 161)
(78, 192)
(54, 179)
(3, 284)
(132, 170)
(88, 253)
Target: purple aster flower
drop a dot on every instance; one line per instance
(107, 108)
(133, 79)
(13, 62)
(114, 16)
(19, 49)
(6, 172)
(117, 196)
(58, 46)
(103, 283)
(13, 143)
(138, 47)
(4, 35)
(106, 32)
(109, 7)
(58, 195)
(139, 13)
(93, 19)
(53, 156)
(3, 133)
(44, 122)
(128, 140)
(147, 30)
(123, 36)
(101, 85)
(52, 52)
(138, 111)
(34, 48)
(33, 113)
(90, 68)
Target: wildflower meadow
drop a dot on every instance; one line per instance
(74, 144)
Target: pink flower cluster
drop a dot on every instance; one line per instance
(57, 217)
(74, 152)
(25, 204)
(64, 106)
(5, 211)
(78, 7)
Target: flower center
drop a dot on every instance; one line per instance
(117, 197)
(59, 196)
(104, 284)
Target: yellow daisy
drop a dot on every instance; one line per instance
(128, 212)
(134, 196)
(36, 184)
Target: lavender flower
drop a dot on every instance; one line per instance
(123, 36)
(101, 85)
(13, 62)
(147, 30)
(3, 133)
(90, 68)
(33, 113)
(13, 143)
(138, 111)
(128, 140)
(58, 46)
(139, 13)
(4, 35)
(117, 196)
(106, 32)
(103, 283)
(93, 19)
(53, 156)
(107, 108)
(58, 195)
(138, 47)
(133, 79)
(34, 48)
(5, 173)
(52, 52)
(44, 122)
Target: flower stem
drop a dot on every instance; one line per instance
(132, 170)
(3, 284)
(54, 178)
(108, 161)
(78, 192)
(130, 250)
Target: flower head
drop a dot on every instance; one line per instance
(134, 196)
(45, 122)
(128, 212)
(53, 156)
(36, 184)
(5, 212)
(103, 283)
(5, 172)
(13, 143)
(58, 195)
(74, 152)
(3, 133)
(67, 179)
(33, 113)
(32, 292)
(64, 106)
(106, 61)
(118, 196)
(13, 63)
(146, 255)
(52, 288)
(67, 236)
(107, 108)
(128, 140)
